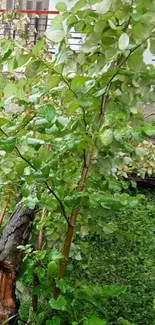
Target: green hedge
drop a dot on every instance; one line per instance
(126, 257)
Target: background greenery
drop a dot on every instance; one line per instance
(126, 257)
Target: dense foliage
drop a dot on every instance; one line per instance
(66, 124)
(124, 257)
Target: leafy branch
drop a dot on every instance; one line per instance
(46, 184)
(107, 88)
(85, 169)
(127, 57)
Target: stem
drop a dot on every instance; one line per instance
(60, 202)
(5, 207)
(26, 160)
(35, 278)
(72, 222)
(40, 237)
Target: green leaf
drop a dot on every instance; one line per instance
(62, 285)
(71, 21)
(55, 236)
(23, 59)
(58, 304)
(31, 69)
(25, 190)
(52, 269)
(61, 6)
(48, 112)
(40, 177)
(29, 202)
(3, 121)
(106, 137)
(55, 321)
(149, 130)
(111, 24)
(80, 26)
(10, 89)
(41, 124)
(94, 320)
(40, 271)
(72, 108)
(33, 142)
(55, 255)
(77, 82)
(125, 322)
(55, 36)
(62, 56)
(4, 46)
(135, 62)
(62, 121)
(84, 230)
(79, 5)
(109, 228)
(92, 2)
(85, 102)
(103, 7)
(152, 45)
(38, 47)
(52, 81)
(36, 162)
(123, 42)
(20, 167)
(8, 144)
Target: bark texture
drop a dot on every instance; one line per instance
(16, 233)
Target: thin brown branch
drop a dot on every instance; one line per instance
(40, 237)
(6, 203)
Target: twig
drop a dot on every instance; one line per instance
(24, 125)
(60, 202)
(75, 94)
(127, 57)
(40, 237)
(107, 88)
(3, 132)
(26, 160)
(128, 22)
(5, 207)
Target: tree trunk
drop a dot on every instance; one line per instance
(16, 233)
